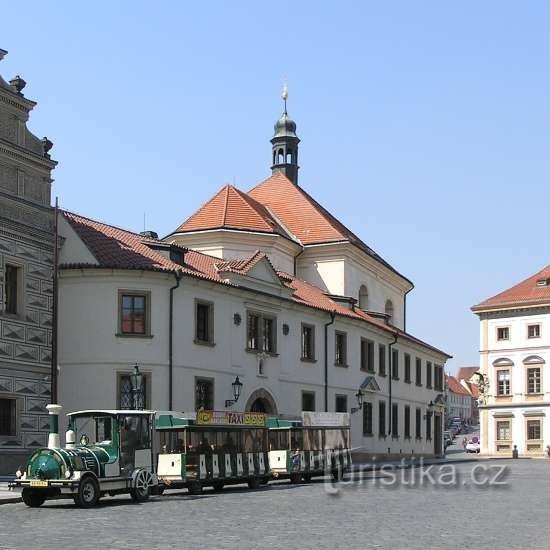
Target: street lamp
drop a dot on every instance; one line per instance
(237, 386)
(429, 409)
(359, 397)
(137, 388)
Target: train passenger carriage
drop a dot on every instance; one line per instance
(212, 449)
(316, 445)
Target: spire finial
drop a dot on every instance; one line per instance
(284, 95)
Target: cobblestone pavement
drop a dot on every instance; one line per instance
(365, 515)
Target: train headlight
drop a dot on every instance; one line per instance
(19, 474)
(68, 473)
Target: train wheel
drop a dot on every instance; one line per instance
(264, 480)
(295, 478)
(194, 488)
(218, 485)
(142, 483)
(33, 499)
(307, 478)
(88, 493)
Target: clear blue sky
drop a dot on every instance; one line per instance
(425, 126)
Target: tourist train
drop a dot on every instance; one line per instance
(144, 452)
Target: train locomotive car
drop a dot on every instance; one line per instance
(212, 449)
(316, 445)
(114, 455)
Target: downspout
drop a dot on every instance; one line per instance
(296, 257)
(178, 277)
(332, 316)
(390, 376)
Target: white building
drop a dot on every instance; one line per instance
(264, 285)
(515, 339)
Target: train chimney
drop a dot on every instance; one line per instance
(53, 437)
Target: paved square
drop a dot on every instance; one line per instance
(367, 515)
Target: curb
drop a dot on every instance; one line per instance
(10, 500)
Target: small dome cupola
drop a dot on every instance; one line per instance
(285, 145)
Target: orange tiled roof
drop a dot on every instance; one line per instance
(526, 292)
(117, 248)
(465, 373)
(455, 386)
(230, 208)
(310, 222)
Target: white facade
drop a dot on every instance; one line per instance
(93, 354)
(514, 358)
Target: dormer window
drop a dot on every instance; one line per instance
(543, 282)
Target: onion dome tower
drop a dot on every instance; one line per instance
(285, 145)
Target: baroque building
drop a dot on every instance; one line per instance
(26, 260)
(515, 378)
(264, 285)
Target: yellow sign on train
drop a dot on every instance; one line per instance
(217, 418)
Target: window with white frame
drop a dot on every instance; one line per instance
(503, 430)
(503, 382)
(503, 333)
(308, 342)
(340, 349)
(533, 331)
(533, 380)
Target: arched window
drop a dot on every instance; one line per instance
(363, 298)
(280, 157)
(389, 310)
(289, 156)
(274, 157)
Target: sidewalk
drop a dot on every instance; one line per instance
(6, 496)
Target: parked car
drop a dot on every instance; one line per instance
(447, 439)
(473, 446)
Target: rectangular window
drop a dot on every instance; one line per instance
(381, 419)
(340, 349)
(341, 405)
(382, 360)
(533, 331)
(308, 401)
(429, 375)
(394, 420)
(204, 394)
(407, 422)
(418, 423)
(11, 289)
(503, 382)
(367, 418)
(533, 429)
(429, 427)
(503, 333)
(395, 364)
(308, 342)
(367, 355)
(407, 368)
(533, 380)
(503, 430)
(204, 322)
(261, 332)
(134, 313)
(127, 397)
(8, 417)
(418, 371)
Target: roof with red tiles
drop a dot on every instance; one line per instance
(230, 208)
(534, 290)
(472, 389)
(465, 373)
(117, 248)
(305, 217)
(455, 386)
(243, 265)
